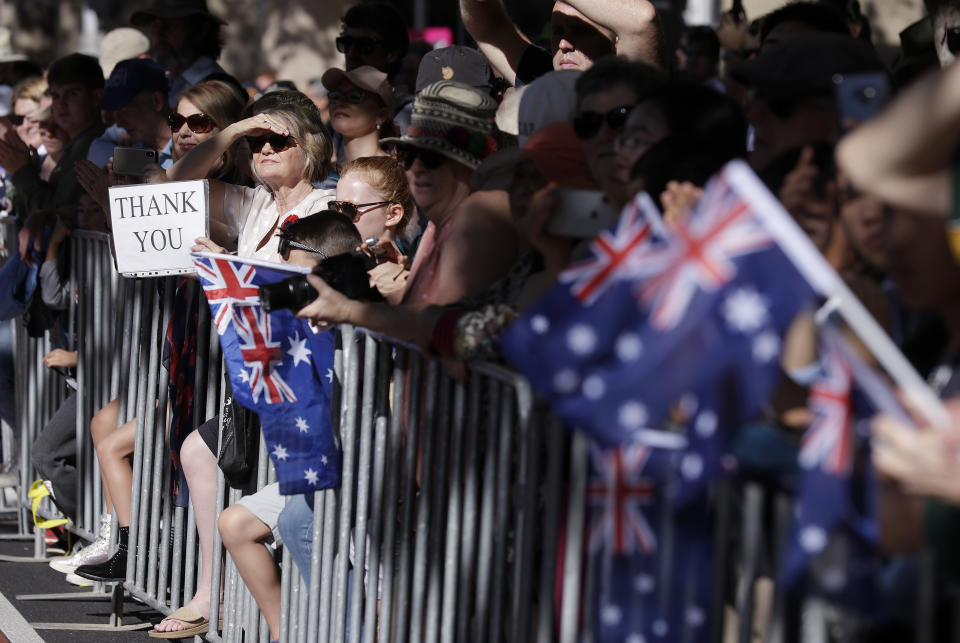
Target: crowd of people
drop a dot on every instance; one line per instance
(454, 185)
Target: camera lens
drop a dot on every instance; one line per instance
(292, 294)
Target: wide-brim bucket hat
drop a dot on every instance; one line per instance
(453, 119)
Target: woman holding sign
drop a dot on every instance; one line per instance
(291, 151)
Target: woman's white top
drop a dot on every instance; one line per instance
(252, 212)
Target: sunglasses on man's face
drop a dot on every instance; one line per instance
(277, 142)
(16, 119)
(285, 245)
(586, 125)
(356, 210)
(364, 45)
(407, 155)
(198, 123)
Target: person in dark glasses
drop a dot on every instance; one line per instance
(605, 95)
(29, 96)
(203, 111)
(582, 32)
(374, 193)
(374, 34)
(361, 104)
(290, 151)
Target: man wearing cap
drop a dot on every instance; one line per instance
(136, 93)
(185, 39)
(581, 32)
(792, 100)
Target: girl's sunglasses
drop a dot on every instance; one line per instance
(278, 143)
(198, 123)
(407, 155)
(355, 210)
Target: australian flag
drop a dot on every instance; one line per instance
(650, 316)
(650, 570)
(279, 367)
(831, 550)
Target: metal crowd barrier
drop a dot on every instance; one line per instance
(453, 494)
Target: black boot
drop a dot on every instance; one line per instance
(112, 570)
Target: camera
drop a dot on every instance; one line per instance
(346, 273)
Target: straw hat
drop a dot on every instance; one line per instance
(453, 119)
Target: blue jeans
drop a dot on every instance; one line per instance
(295, 525)
(296, 529)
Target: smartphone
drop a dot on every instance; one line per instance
(860, 96)
(132, 160)
(581, 214)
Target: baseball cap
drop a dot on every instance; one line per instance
(365, 77)
(458, 63)
(129, 78)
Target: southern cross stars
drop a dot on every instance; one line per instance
(298, 349)
(279, 452)
(311, 476)
(302, 425)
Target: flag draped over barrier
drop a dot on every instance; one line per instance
(279, 367)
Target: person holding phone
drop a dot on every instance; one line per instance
(136, 94)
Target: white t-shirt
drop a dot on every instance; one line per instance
(252, 212)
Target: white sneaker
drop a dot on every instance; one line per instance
(73, 579)
(9, 479)
(93, 554)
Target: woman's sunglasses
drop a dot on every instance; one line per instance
(355, 210)
(587, 124)
(285, 244)
(407, 155)
(277, 142)
(198, 123)
(354, 96)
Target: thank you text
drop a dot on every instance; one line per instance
(154, 226)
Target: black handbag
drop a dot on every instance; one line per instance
(239, 442)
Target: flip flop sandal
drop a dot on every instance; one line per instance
(193, 625)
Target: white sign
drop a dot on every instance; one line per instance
(154, 226)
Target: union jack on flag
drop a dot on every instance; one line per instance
(647, 320)
(262, 355)
(279, 367)
(620, 493)
(226, 283)
(828, 442)
(614, 250)
(701, 256)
